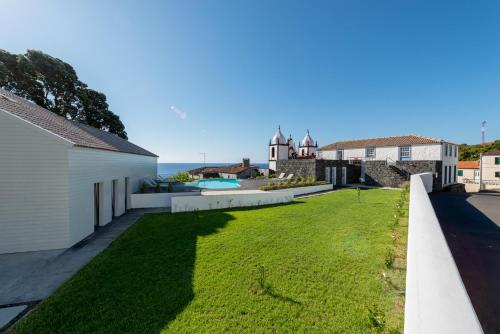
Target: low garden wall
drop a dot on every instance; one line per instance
(156, 200)
(230, 199)
(306, 190)
(436, 299)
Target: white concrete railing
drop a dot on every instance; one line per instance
(436, 299)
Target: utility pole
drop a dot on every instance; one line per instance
(483, 126)
(204, 158)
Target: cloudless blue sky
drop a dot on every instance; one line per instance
(235, 70)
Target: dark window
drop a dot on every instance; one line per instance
(497, 174)
(449, 174)
(455, 173)
(445, 173)
(497, 160)
(272, 152)
(460, 172)
(404, 153)
(340, 154)
(370, 152)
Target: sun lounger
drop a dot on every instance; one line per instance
(282, 175)
(289, 176)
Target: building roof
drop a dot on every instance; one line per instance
(494, 152)
(382, 141)
(278, 138)
(231, 169)
(307, 141)
(468, 164)
(79, 134)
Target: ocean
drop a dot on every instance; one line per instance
(170, 168)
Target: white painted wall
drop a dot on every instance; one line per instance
(89, 166)
(306, 190)
(33, 187)
(156, 200)
(229, 199)
(436, 299)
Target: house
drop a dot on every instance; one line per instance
(237, 171)
(384, 161)
(490, 170)
(468, 174)
(60, 180)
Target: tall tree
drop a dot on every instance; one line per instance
(54, 85)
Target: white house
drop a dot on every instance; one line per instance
(60, 180)
(397, 148)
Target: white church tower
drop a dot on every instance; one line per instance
(278, 149)
(307, 146)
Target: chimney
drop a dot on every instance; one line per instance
(246, 162)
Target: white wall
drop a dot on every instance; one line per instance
(33, 187)
(306, 190)
(89, 166)
(229, 199)
(156, 200)
(436, 299)
(418, 152)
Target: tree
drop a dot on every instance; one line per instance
(54, 85)
(472, 152)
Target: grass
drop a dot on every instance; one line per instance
(316, 265)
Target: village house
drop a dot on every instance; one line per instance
(61, 180)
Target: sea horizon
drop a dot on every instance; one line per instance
(171, 168)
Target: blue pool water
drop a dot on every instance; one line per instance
(217, 183)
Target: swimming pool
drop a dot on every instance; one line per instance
(217, 183)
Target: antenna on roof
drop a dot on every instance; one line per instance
(483, 126)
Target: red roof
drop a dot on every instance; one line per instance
(381, 142)
(468, 164)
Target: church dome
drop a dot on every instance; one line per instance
(278, 138)
(307, 141)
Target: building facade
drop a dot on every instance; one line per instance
(61, 180)
(281, 149)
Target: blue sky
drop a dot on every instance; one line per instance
(219, 76)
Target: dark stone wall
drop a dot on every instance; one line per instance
(378, 173)
(316, 169)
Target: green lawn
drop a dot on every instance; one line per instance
(315, 265)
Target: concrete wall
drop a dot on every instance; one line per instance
(229, 199)
(156, 200)
(306, 190)
(436, 299)
(33, 187)
(89, 166)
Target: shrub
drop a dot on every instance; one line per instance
(182, 177)
(144, 187)
(389, 258)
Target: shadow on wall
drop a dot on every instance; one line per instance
(139, 284)
(474, 241)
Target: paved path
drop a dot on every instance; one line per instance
(29, 277)
(471, 225)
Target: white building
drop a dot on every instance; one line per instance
(282, 149)
(60, 180)
(397, 148)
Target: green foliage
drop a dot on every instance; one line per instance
(54, 85)
(144, 187)
(472, 152)
(202, 273)
(389, 258)
(291, 183)
(182, 177)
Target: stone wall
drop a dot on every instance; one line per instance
(378, 173)
(316, 169)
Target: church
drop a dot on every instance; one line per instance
(285, 149)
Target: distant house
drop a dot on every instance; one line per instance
(60, 180)
(490, 169)
(237, 171)
(468, 174)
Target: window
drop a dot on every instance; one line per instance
(404, 153)
(370, 152)
(476, 174)
(340, 154)
(460, 172)
(272, 152)
(449, 174)
(445, 150)
(497, 160)
(497, 174)
(445, 174)
(456, 151)
(455, 173)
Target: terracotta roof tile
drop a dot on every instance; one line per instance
(468, 164)
(77, 133)
(381, 142)
(231, 169)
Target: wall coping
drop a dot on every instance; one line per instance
(436, 298)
